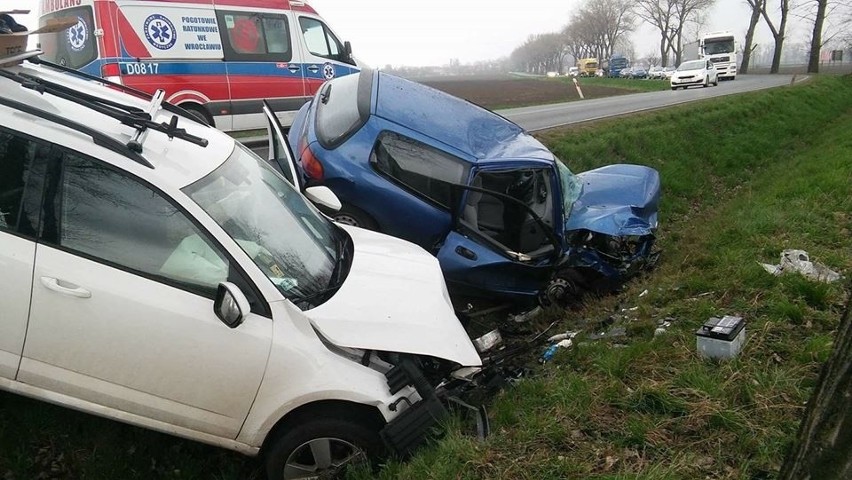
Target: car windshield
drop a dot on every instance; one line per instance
(295, 246)
(713, 47)
(693, 65)
(572, 187)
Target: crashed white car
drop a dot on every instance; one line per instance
(694, 73)
(157, 272)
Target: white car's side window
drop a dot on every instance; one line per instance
(111, 216)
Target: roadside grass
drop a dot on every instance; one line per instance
(744, 177)
(637, 85)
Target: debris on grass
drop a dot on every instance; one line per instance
(721, 338)
(799, 261)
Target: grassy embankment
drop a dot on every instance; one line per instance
(637, 85)
(744, 177)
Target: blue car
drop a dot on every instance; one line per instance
(507, 220)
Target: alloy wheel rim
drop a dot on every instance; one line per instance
(323, 458)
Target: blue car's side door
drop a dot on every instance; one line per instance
(507, 235)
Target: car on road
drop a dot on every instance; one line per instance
(157, 272)
(505, 217)
(655, 73)
(638, 71)
(667, 72)
(694, 73)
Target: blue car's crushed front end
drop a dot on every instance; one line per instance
(610, 230)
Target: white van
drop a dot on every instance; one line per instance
(215, 58)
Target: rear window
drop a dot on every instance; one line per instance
(75, 47)
(343, 108)
(420, 168)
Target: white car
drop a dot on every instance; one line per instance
(693, 73)
(157, 272)
(574, 72)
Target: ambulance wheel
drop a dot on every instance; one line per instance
(198, 112)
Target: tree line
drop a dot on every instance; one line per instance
(600, 28)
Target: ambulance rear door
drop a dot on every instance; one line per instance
(262, 63)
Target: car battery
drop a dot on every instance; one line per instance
(721, 338)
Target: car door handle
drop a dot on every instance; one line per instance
(313, 69)
(68, 289)
(293, 68)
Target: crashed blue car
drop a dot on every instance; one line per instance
(506, 219)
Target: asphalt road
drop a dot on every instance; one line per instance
(543, 117)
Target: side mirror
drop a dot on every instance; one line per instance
(324, 197)
(231, 305)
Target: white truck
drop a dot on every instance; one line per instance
(721, 49)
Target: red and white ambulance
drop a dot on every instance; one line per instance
(216, 58)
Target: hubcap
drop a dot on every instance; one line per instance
(323, 458)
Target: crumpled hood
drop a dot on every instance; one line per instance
(394, 299)
(618, 200)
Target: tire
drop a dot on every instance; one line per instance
(706, 82)
(348, 443)
(674, 89)
(349, 215)
(716, 83)
(198, 112)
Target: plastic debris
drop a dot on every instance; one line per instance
(551, 350)
(562, 336)
(644, 292)
(799, 261)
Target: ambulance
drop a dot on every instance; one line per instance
(215, 58)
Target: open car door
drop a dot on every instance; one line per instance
(503, 241)
(281, 158)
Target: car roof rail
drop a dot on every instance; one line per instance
(99, 138)
(128, 115)
(87, 76)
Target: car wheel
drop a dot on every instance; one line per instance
(198, 112)
(674, 88)
(716, 83)
(706, 82)
(322, 448)
(349, 215)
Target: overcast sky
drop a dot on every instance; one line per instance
(419, 33)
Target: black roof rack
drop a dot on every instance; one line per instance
(124, 88)
(126, 114)
(99, 138)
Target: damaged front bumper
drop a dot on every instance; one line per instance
(409, 429)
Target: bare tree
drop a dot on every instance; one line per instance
(670, 18)
(597, 27)
(661, 15)
(816, 36)
(778, 31)
(541, 53)
(756, 6)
